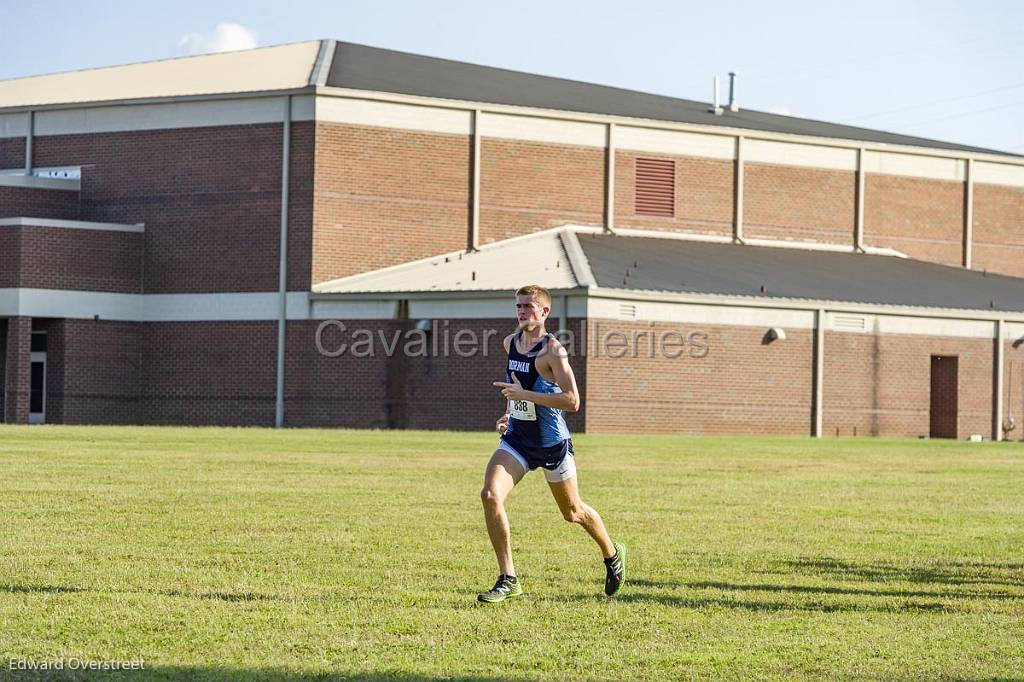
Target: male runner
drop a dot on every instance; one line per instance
(539, 386)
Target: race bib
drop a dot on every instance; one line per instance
(523, 410)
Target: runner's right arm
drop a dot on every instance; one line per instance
(501, 426)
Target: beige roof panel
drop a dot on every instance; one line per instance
(539, 258)
(280, 67)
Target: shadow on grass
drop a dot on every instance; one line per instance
(767, 606)
(175, 673)
(221, 596)
(951, 573)
(824, 589)
(39, 589)
(949, 577)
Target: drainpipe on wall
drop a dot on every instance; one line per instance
(282, 304)
(968, 212)
(474, 224)
(29, 135)
(858, 238)
(609, 183)
(819, 371)
(997, 427)
(737, 234)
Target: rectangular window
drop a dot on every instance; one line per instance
(656, 187)
(38, 342)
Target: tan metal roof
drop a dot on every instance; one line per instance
(692, 267)
(281, 67)
(664, 263)
(540, 258)
(359, 67)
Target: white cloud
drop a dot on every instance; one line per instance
(226, 37)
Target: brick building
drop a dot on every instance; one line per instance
(300, 234)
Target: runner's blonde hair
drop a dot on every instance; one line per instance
(536, 292)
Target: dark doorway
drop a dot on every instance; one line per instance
(37, 380)
(944, 400)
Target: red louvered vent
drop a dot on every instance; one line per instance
(656, 187)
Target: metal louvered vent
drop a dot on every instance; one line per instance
(656, 187)
(627, 311)
(853, 323)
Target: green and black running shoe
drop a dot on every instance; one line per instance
(615, 570)
(507, 587)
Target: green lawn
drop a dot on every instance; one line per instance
(241, 553)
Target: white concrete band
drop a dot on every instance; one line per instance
(597, 303)
(71, 224)
(803, 155)
(81, 305)
(32, 182)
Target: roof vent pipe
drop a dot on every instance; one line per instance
(733, 106)
(716, 106)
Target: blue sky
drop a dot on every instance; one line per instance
(942, 69)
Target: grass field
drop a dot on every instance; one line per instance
(238, 553)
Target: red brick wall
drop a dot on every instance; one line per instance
(387, 196)
(742, 386)
(92, 371)
(440, 391)
(704, 195)
(788, 202)
(880, 384)
(998, 234)
(60, 258)
(103, 365)
(12, 152)
(471, 401)
(209, 373)
(343, 391)
(10, 256)
(531, 186)
(922, 218)
(16, 369)
(210, 199)
(224, 373)
(302, 157)
(32, 202)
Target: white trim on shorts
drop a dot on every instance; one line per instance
(565, 470)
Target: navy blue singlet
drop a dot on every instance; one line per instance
(536, 432)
